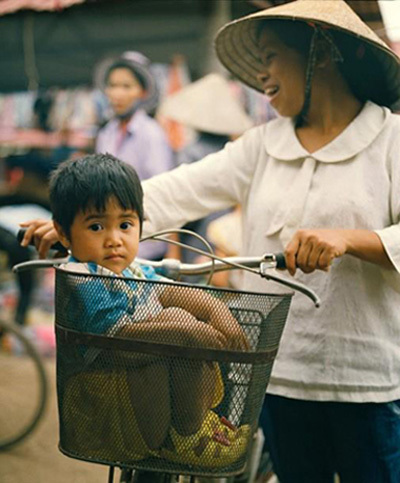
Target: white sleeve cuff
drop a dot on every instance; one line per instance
(390, 238)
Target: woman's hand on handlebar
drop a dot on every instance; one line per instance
(42, 233)
(314, 249)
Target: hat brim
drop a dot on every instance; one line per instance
(237, 46)
(207, 105)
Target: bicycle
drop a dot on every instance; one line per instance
(245, 375)
(21, 367)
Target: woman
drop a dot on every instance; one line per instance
(321, 182)
(316, 182)
(132, 135)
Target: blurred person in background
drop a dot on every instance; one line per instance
(41, 109)
(132, 134)
(210, 107)
(24, 194)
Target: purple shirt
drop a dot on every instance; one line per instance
(145, 147)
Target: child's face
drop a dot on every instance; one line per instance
(109, 238)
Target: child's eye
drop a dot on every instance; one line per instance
(126, 225)
(95, 227)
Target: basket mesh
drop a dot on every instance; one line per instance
(161, 400)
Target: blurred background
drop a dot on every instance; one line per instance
(51, 108)
(50, 50)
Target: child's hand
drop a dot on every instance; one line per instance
(225, 322)
(204, 335)
(184, 329)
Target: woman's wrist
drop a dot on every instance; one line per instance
(366, 245)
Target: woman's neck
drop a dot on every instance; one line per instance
(333, 107)
(123, 123)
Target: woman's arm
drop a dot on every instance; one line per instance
(190, 192)
(315, 249)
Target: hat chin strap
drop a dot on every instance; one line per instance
(312, 60)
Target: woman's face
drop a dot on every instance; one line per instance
(123, 89)
(282, 77)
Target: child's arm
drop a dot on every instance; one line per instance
(207, 308)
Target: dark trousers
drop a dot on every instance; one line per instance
(311, 441)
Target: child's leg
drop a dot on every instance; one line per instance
(192, 393)
(150, 399)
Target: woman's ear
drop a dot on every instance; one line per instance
(61, 235)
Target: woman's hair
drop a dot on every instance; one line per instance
(359, 67)
(89, 182)
(125, 64)
(296, 35)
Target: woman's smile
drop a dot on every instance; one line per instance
(282, 75)
(271, 92)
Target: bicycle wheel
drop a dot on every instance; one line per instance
(23, 386)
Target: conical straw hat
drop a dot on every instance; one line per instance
(237, 48)
(207, 105)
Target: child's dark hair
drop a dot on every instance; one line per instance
(89, 182)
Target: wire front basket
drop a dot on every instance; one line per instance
(149, 386)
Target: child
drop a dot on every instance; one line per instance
(97, 211)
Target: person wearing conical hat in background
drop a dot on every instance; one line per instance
(322, 183)
(132, 134)
(208, 106)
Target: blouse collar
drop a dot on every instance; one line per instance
(282, 143)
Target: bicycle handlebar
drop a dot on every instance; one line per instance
(172, 268)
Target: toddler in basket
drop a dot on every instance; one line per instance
(150, 406)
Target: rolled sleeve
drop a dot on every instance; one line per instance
(390, 238)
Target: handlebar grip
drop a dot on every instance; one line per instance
(56, 246)
(280, 260)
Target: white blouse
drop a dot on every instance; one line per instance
(349, 348)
